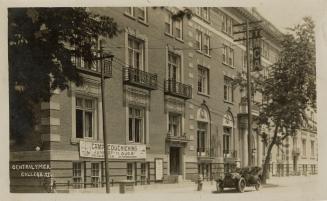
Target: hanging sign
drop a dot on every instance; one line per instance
(115, 151)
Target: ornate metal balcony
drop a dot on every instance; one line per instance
(140, 78)
(177, 138)
(94, 69)
(178, 89)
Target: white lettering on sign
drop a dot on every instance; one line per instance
(115, 151)
(30, 169)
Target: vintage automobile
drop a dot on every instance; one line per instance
(240, 178)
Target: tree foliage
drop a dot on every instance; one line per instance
(291, 86)
(40, 44)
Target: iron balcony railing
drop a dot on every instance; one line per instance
(140, 78)
(94, 68)
(177, 138)
(174, 88)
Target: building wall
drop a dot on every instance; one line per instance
(58, 126)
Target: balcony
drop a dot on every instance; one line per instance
(178, 89)
(140, 78)
(95, 70)
(177, 138)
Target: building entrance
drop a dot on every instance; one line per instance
(174, 160)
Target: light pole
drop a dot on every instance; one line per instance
(105, 65)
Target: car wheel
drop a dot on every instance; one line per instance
(258, 184)
(241, 185)
(220, 187)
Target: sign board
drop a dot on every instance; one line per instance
(115, 151)
(159, 168)
(30, 169)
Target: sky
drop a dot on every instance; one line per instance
(290, 12)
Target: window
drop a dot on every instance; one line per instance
(138, 12)
(228, 56)
(226, 141)
(227, 24)
(312, 148)
(206, 44)
(201, 137)
(168, 24)
(228, 90)
(179, 29)
(198, 41)
(304, 148)
(136, 124)
(174, 127)
(203, 13)
(202, 42)
(203, 80)
(142, 13)
(174, 66)
(130, 11)
(77, 175)
(130, 171)
(136, 56)
(95, 175)
(85, 114)
(173, 27)
(80, 62)
(143, 172)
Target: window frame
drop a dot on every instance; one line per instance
(206, 44)
(177, 67)
(175, 119)
(228, 90)
(304, 148)
(132, 138)
(84, 110)
(203, 79)
(227, 136)
(180, 28)
(78, 179)
(169, 21)
(132, 48)
(130, 171)
(94, 176)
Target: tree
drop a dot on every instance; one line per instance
(290, 88)
(40, 44)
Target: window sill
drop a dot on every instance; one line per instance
(77, 140)
(232, 67)
(130, 16)
(228, 102)
(179, 39)
(169, 35)
(200, 52)
(204, 94)
(145, 23)
(227, 34)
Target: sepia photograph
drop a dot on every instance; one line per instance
(187, 100)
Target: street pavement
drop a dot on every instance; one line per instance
(297, 188)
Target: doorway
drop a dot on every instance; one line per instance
(174, 160)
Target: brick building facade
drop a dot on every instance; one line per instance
(171, 90)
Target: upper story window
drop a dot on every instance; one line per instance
(136, 56)
(227, 140)
(173, 27)
(80, 62)
(85, 115)
(202, 42)
(228, 90)
(174, 66)
(203, 80)
(228, 56)
(203, 13)
(140, 13)
(227, 24)
(174, 124)
(136, 124)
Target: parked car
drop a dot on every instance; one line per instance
(240, 178)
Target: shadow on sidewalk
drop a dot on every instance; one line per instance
(231, 190)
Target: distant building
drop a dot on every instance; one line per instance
(170, 98)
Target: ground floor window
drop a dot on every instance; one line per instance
(95, 175)
(204, 170)
(144, 173)
(130, 171)
(77, 175)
